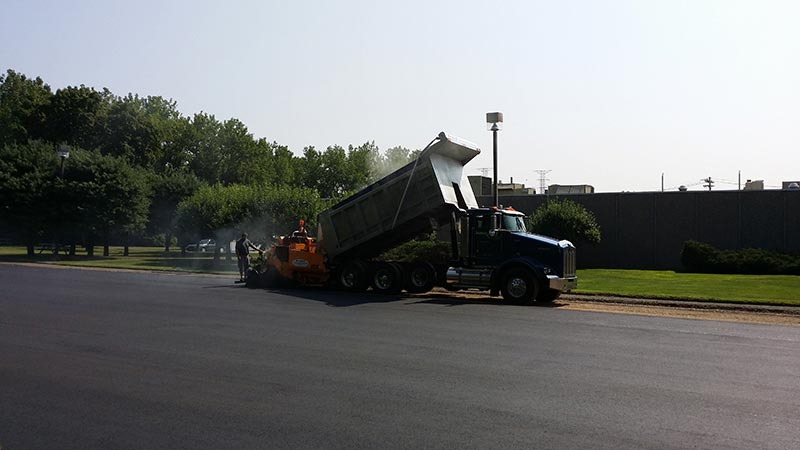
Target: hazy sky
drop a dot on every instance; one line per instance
(607, 93)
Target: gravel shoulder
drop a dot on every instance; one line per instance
(685, 309)
(728, 312)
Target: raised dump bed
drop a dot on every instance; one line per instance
(400, 205)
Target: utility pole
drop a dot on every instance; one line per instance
(709, 183)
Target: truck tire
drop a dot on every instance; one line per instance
(420, 277)
(352, 276)
(519, 286)
(548, 295)
(387, 278)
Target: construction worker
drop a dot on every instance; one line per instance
(243, 246)
(301, 232)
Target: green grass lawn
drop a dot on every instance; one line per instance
(765, 289)
(145, 258)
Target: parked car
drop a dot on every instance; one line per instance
(204, 245)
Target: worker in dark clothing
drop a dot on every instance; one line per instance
(243, 246)
(301, 232)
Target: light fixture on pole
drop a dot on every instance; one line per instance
(63, 153)
(494, 123)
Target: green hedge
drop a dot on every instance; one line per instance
(424, 248)
(704, 258)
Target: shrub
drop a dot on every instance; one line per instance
(698, 256)
(565, 220)
(704, 258)
(424, 248)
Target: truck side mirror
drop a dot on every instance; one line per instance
(494, 224)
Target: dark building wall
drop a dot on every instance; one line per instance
(675, 223)
(763, 219)
(791, 224)
(717, 218)
(647, 230)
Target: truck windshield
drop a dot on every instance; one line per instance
(514, 223)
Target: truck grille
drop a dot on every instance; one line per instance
(569, 262)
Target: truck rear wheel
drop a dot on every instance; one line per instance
(352, 276)
(420, 277)
(387, 278)
(519, 287)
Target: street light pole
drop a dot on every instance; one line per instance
(494, 121)
(63, 153)
(494, 162)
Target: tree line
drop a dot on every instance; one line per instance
(141, 171)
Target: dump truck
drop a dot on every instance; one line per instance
(490, 248)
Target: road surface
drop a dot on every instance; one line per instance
(120, 360)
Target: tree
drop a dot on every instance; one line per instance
(222, 212)
(100, 196)
(27, 175)
(361, 161)
(336, 172)
(393, 159)
(169, 126)
(278, 165)
(77, 116)
(240, 158)
(130, 134)
(565, 220)
(327, 172)
(23, 103)
(168, 190)
(202, 150)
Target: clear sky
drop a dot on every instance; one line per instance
(610, 93)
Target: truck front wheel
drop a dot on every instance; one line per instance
(519, 287)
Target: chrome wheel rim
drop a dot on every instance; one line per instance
(418, 278)
(517, 287)
(348, 278)
(383, 280)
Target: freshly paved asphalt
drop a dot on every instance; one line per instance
(107, 360)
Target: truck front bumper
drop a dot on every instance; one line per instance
(562, 284)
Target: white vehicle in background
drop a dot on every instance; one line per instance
(204, 245)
